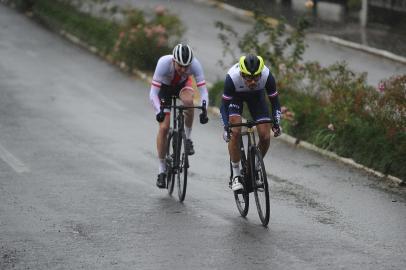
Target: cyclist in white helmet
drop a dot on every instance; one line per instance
(249, 81)
(173, 76)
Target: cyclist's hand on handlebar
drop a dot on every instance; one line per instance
(203, 118)
(160, 116)
(276, 130)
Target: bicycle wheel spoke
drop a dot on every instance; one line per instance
(241, 197)
(242, 202)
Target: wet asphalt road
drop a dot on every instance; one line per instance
(77, 181)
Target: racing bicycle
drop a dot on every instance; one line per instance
(177, 158)
(254, 178)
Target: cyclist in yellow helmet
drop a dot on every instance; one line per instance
(249, 81)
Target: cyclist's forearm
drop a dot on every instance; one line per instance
(276, 108)
(204, 95)
(224, 112)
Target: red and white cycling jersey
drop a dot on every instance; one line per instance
(165, 74)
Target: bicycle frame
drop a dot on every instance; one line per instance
(253, 180)
(251, 142)
(178, 128)
(178, 161)
(246, 153)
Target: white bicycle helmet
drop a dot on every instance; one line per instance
(183, 54)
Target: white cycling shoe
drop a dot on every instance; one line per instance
(236, 185)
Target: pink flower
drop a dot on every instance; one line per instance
(160, 10)
(161, 41)
(148, 31)
(159, 29)
(282, 67)
(122, 34)
(381, 86)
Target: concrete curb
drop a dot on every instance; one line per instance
(284, 137)
(357, 46)
(332, 39)
(296, 142)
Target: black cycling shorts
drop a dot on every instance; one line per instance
(256, 104)
(167, 91)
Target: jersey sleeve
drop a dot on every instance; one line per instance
(272, 93)
(228, 93)
(153, 96)
(156, 84)
(160, 69)
(200, 81)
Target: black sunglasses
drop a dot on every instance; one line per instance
(251, 77)
(187, 66)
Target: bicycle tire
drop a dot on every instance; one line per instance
(242, 201)
(169, 159)
(183, 165)
(241, 197)
(261, 193)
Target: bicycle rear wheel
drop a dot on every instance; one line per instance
(170, 159)
(260, 185)
(183, 160)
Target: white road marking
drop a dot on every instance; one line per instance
(12, 161)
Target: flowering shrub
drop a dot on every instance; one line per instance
(140, 42)
(331, 107)
(390, 107)
(135, 42)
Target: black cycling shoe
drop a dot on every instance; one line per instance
(160, 182)
(189, 147)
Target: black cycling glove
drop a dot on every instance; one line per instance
(203, 118)
(160, 117)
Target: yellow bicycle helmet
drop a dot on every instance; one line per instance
(251, 64)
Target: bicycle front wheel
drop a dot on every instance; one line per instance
(170, 159)
(183, 167)
(260, 185)
(241, 197)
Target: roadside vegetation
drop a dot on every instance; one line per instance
(130, 37)
(331, 107)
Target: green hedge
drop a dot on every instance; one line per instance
(138, 42)
(97, 32)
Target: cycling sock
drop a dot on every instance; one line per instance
(162, 166)
(188, 132)
(236, 168)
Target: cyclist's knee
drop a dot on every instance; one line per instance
(188, 101)
(186, 96)
(264, 137)
(236, 132)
